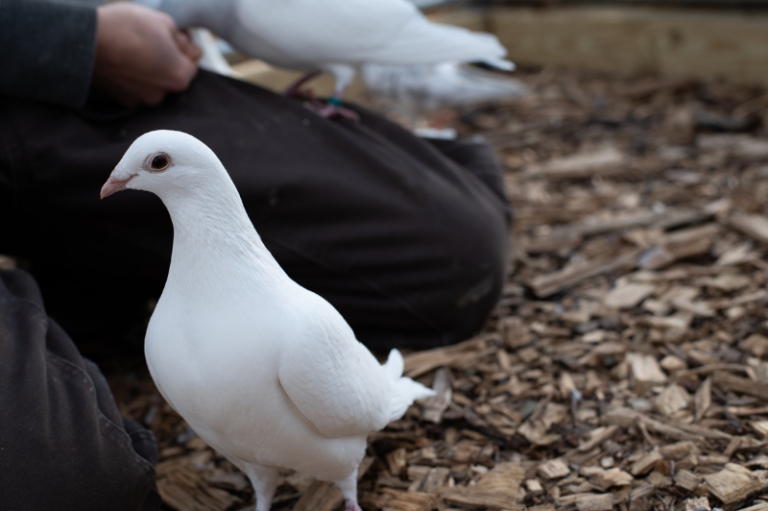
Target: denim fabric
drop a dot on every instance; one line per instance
(63, 444)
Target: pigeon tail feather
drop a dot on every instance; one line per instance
(405, 390)
(395, 364)
(500, 64)
(422, 42)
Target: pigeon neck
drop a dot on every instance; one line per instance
(212, 230)
(215, 15)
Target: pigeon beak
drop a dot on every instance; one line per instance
(117, 181)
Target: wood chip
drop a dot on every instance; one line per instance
(760, 427)
(421, 362)
(610, 478)
(703, 399)
(734, 483)
(645, 372)
(410, 501)
(754, 226)
(741, 385)
(596, 437)
(595, 502)
(687, 480)
(697, 504)
(553, 469)
(628, 295)
(546, 285)
(671, 400)
(641, 498)
(498, 489)
(433, 408)
(600, 162)
(396, 461)
(645, 463)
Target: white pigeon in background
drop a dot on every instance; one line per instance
(334, 36)
(266, 372)
(414, 90)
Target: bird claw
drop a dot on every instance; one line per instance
(333, 109)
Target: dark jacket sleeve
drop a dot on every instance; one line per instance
(47, 50)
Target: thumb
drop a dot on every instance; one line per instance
(186, 45)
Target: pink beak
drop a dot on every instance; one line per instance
(116, 182)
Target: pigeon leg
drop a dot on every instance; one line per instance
(344, 75)
(348, 487)
(334, 109)
(264, 481)
(295, 89)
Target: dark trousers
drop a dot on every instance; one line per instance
(406, 238)
(63, 444)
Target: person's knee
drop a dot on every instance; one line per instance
(67, 431)
(479, 283)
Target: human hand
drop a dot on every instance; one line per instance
(141, 55)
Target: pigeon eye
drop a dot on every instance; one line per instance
(159, 162)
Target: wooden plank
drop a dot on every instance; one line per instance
(602, 39)
(633, 40)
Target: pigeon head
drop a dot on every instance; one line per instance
(162, 162)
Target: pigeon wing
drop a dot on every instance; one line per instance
(334, 381)
(325, 31)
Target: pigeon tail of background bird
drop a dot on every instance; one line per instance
(500, 64)
(406, 391)
(423, 42)
(212, 60)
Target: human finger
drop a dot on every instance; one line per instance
(186, 45)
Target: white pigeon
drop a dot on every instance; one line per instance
(265, 371)
(415, 90)
(334, 35)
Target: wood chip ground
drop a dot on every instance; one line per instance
(625, 366)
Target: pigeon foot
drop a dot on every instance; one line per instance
(351, 505)
(334, 109)
(264, 481)
(348, 487)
